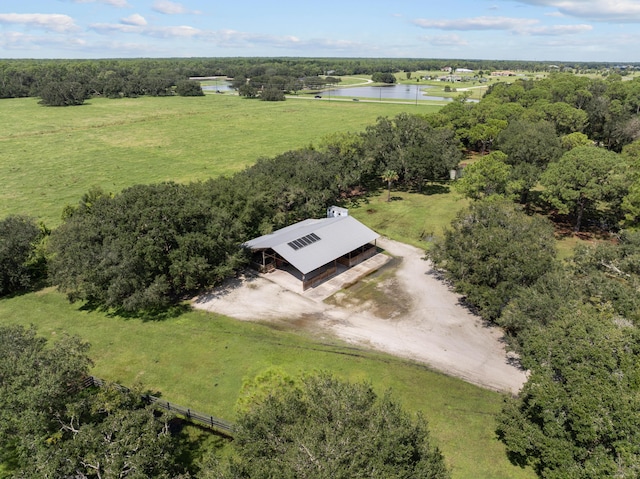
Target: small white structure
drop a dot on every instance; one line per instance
(334, 211)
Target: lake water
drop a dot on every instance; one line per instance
(395, 92)
(222, 86)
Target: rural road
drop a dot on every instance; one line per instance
(418, 317)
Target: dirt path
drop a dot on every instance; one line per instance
(418, 317)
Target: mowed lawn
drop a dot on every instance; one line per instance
(50, 156)
(413, 218)
(199, 360)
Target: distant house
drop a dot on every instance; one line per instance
(463, 70)
(313, 249)
(503, 73)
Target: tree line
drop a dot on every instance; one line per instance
(577, 137)
(574, 325)
(69, 82)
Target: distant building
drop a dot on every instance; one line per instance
(503, 73)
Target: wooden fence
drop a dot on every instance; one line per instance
(188, 414)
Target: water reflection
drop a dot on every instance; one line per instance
(395, 92)
(222, 86)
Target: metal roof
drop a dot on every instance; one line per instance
(337, 236)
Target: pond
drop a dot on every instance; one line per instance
(220, 86)
(396, 92)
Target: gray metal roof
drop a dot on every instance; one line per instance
(338, 236)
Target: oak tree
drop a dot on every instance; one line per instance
(491, 249)
(325, 427)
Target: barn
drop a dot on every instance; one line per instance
(315, 249)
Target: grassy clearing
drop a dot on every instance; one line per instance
(412, 218)
(200, 360)
(51, 156)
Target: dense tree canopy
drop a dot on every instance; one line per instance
(189, 88)
(583, 178)
(578, 414)
(22, 262)
(35, 384)
(489, 175)
(55, 429)
(529, 147)
(145, 247)
(63, 94)
(327, 428)
(491, 249)
(408, 145)
(385, 77)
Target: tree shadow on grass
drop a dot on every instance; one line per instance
(195, 443)
(433, 189)
(156, 314)
(227, 287)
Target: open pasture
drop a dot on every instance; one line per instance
(51, 156)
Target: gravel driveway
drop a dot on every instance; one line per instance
(416, 316)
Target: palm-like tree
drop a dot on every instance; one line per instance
(389, 176)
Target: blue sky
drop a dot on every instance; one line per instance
(541, 30)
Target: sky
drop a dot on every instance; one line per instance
(537, 30)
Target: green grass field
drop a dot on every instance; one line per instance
(51, 156)
(412, 218)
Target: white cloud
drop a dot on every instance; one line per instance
(235, 39)
(182, 31)
(113, 3)
(623, 11)
(477, 23)
(556, 30)
(521, 26)
(171, 8)
(135, 19)
(21, 42)
(48, 21)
